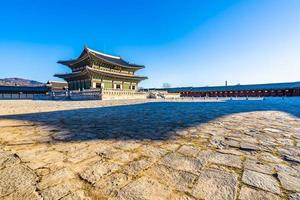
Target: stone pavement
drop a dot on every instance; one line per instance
(141, 150)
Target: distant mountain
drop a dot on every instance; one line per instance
(19, 82)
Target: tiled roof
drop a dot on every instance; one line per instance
(88, 70)
(113, 59)
(268, 86)
(106, 57)
(57, 84)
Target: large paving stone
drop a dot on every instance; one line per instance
(258, 166)
(232, 143)
(111, 184)
(215, 185)
(127, 145)
(152, 151)
(270, 158)
(287, 169)
(181, 196)
(217, 142)
(48, 157)
(181, 162)
(8, 159)
(226, 159)
(260, 180)
(135, 167)
(98, 170)
(290, 153)
(189, 150)
(78, 195)
(79, 155)
(232, 151)
(285, 142)
(204, 156)
(289, 182)
(272, 130)
(24, 193)
(144, 189)
(247, 193)
(295, 196)
(107, 151)
(124, 157)
(55, 178)
(181, 180)
(14, 178)
(170, 146)
(59, 191)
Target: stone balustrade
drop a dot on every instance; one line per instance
(122, 94)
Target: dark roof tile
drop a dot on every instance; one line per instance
(267, 86)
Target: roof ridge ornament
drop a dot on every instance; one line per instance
(104, 54)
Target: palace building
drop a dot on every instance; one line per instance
(93, 69)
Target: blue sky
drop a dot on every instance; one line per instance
(184, 43)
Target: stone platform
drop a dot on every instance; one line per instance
(149, 149)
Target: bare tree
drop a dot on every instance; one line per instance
(166, 85)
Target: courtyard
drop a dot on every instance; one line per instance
(150, 149)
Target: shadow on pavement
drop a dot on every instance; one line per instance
(146, 121)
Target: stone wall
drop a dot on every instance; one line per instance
(95, 94)
(15, 96)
